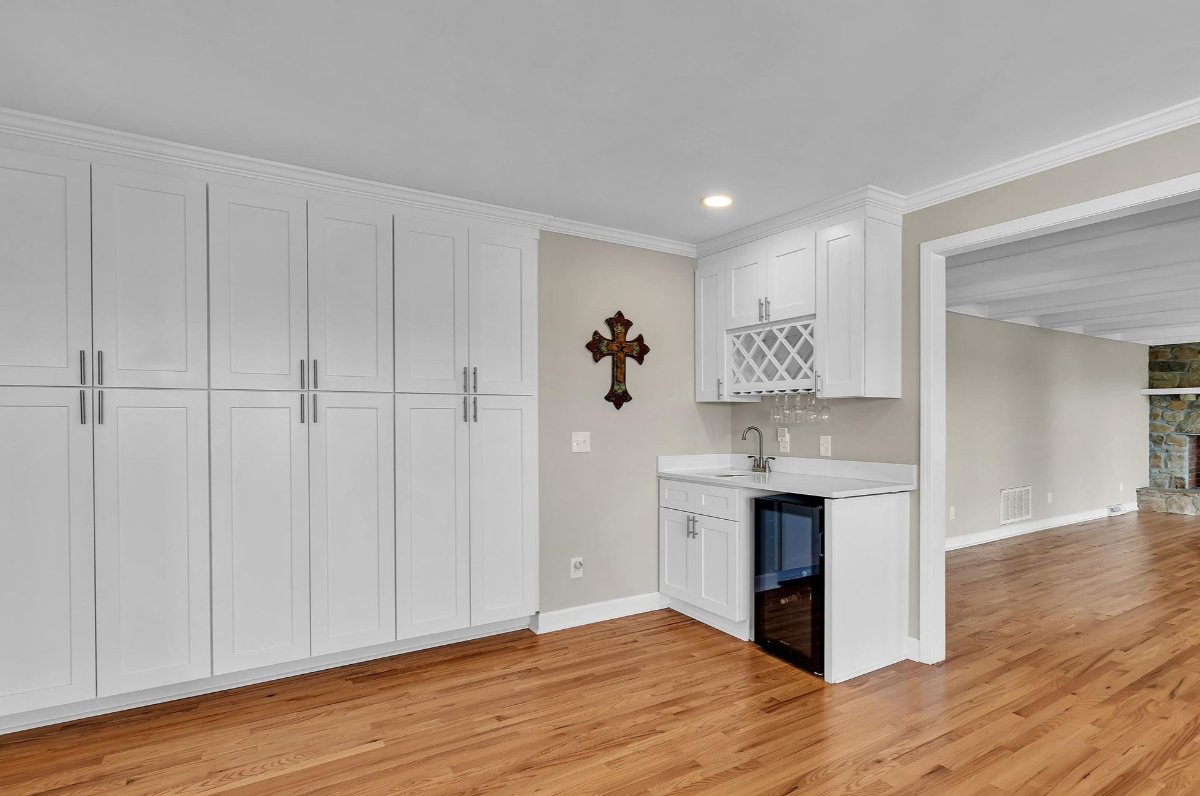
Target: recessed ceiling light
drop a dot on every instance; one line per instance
(716, 200)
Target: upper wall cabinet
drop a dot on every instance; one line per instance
(150, 282)
(431, 306)
(745, 285)
(45, 270)
(258, 276)
(791, 276)
(710, 337)
(503, 313)
(350, 298)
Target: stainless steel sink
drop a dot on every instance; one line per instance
(731, 475)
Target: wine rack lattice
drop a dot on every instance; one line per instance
(774, 359)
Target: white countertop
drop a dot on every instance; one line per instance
(823, 478)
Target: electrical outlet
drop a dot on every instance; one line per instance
(951, 512)
(826, 446)
(576, 568)
(581, 442)
(785, 441)
(1049, 497)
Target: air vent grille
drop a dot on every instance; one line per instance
(1016, 505)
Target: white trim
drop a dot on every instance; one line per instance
(932, 609)
(1031, 526)
(550, 621)
(740, 630)
(912, 648)
(225, 682)
(60, 131)
(1173, 391)
(1143, 127)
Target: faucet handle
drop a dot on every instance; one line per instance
(767, 463)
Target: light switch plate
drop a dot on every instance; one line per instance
(785, 441)
(826, 446)
(581, 442)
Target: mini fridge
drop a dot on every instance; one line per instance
(789, 581)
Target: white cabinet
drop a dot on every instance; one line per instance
(431, 306)
(350, 298)
(260, 544)
(857, 341)
(503, 300)
(353, 527)
(47, 608)
(258, 277)
(152, 537)
(700, 562)
(45, 270)
(433, 519)
(504, 508)
(710, 332)
(791, 289)
(745, 285)
(149, 279)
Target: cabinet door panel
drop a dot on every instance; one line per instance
(260, 530)
(791, 275)
(431, 306)
(45, 269)
(840, 309)
(152, 570)
(47, 608)
(258, 277)
(353, 521)
(433, 529)
(150, 278)
(350, 298)
(715, 568)
(745, 286)
(673, 539)
(504, 509)
(503, 313)
(710, 333)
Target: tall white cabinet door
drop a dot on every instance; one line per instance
(504, 508)
(350, 298)
(47, 608)
(710, 332)
(152, 570)
(674, 535)
(258, 281)
(353, 520)
(713, 566)
(841, 306)
(503, 312)
(150, 279)
(745, 286)
(433, 528)
(791, 275)
(260, 545)
(431, 306)
(45, 270)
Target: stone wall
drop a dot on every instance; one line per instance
(1173, 417)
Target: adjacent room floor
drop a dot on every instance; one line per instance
(1074, 668)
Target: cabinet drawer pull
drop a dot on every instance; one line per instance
(302, 365)
(314, 395)
(465, 399)
(475, 379)
(768, 302)
(301, 410)
(99, 367)
(760, 310)
(466, 384)
(82, 411)
(100, 408)
(314, 381)
(82, 366)
(475, 409)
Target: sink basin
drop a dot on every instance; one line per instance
(731, 475)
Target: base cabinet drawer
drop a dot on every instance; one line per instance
(711, 501)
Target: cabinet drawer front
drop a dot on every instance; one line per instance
(713, 501)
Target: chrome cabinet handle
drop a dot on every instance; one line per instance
(760, 310)
(475, 379)
(466, 384)
(99, 367)
(100, 408)
(718, 389)
(302, 365)
(82, 411)
(82, 366)
(314, 411)
(301, 410)
(465, 399)
(314, 381)
(768, 301)
(475, 409)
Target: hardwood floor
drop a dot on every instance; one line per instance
(1074, 669)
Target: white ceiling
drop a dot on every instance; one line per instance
(621, 113)
(1135, 279)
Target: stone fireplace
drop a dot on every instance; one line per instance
(1174, 431)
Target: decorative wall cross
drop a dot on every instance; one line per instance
(619, 349)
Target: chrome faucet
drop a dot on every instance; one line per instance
(761, 463)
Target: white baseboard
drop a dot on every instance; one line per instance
(1032, 526)
(740, 630)
(549, 621)
(912, 648)
(225, 682)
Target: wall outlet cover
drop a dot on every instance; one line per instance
(581, 442)
(826, 446)
(951, 512)
(576, 568)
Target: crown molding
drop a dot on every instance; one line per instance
(887, 204)
(1143, 127)
(86, 136)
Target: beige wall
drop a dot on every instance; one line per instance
(1057, 411)
(603, 505)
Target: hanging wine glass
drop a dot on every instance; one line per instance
(788, 415)
(824, 413)
(777, 410)
(810, 409)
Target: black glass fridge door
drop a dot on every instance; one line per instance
(788, 581)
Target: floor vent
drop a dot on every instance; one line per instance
(1117, 510)
(1016, 505)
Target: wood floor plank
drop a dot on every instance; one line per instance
(1074, 668)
